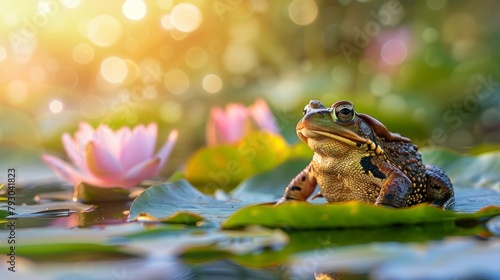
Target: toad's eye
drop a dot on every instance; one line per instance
(344, 112)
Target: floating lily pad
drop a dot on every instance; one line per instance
(181, 217)
(299, 215)
(327, 239)
(87, 193)
(164, 200)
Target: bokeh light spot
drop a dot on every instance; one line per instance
(56, 106)
(134, 9)
(303, 12)
(196, 57)
(132, 71)
(394, 52)
(166, 22)
(176, 81)
(186, 17)
(104, 30)
(114, 70)
(3, 53)
(71, 4)
(212, 83)
(430, 35)
(83, 53)
(436, 4)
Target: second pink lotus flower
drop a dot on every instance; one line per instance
(232, 124)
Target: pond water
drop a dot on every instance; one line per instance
(99, 243)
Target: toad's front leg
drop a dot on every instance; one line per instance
(301, 187)
(396, 188)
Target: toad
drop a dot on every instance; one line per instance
(356, 158)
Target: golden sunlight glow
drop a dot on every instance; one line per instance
(178, 35)
(171, 111)
(92, 106)
(186, 17)
(37, 73)
(104, 30)
(71, 4)
(196, 57)
(134, 9)
(132, 71)
(56, 106)
(303, 12)
(164, 4)
(166, 22)
(212, 83)
(176, 81)
(3, 53)
(83, 53)
(114, 70)
(17, 91)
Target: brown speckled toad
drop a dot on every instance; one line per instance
(357, 158)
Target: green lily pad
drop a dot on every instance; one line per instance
(87, 193)
(181, 217)
(298, 215)
(327, 239)
(74, 252)
(223, 167)
(164, 200)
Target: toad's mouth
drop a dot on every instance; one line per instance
(305, 133)
(350, 139)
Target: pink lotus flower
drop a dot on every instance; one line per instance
(230, 125)
(107, 158)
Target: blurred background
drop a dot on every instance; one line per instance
(427, 69)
